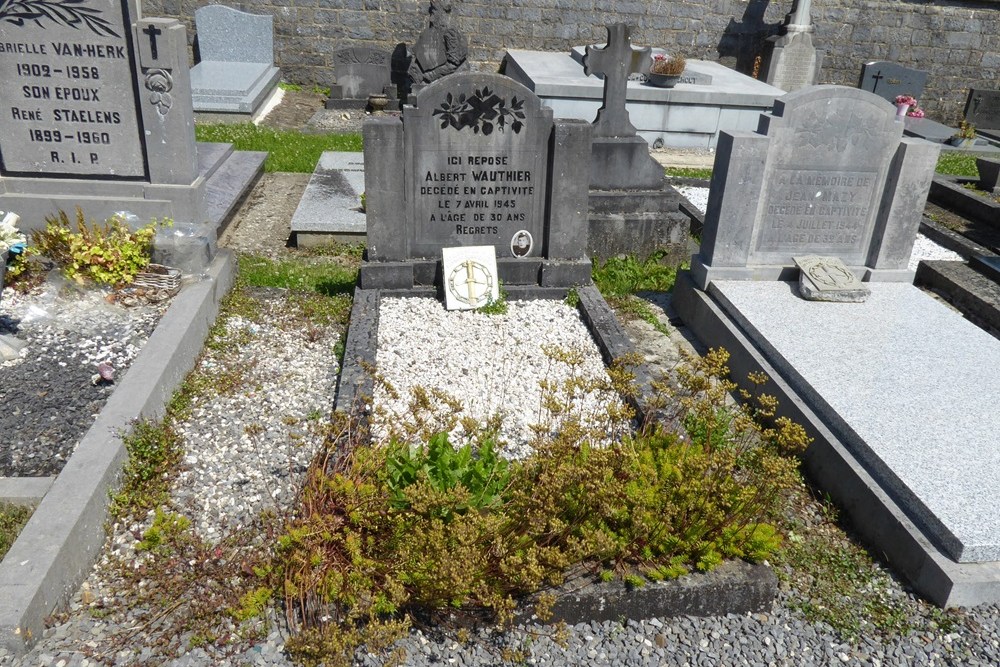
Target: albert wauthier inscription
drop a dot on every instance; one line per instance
(69, 104)
(479, 168)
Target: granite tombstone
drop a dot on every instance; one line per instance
(361, 71)
(99, 116)
(982, 109)
(888, 79)
(827, 173)
(483, 163)
(791, 61)
(236, 73)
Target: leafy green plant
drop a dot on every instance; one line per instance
(110, 253)
(167, 527)
(12, 519)
(153, 450)
(288, 150)
(626, 275)
(958, 164)
(497, 306)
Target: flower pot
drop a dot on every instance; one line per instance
(663, 80)
(901, 110)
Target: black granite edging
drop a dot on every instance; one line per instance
(57, 548)
(875, 516)
(949, 193)
(953, 241)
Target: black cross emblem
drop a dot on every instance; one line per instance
(152, 31)
(877, 76)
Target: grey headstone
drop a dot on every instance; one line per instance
(793, 61)
(982, 109)
(828, 279)
(70, 106)
(229, 35)
(469, 164)
(989, 174)
(828, 173)
(361, 71)
(887, 80)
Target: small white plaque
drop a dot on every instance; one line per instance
(470, 277)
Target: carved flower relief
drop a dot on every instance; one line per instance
(483, 111)
(160, 83)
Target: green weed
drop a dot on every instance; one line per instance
(288, 150)
(12, 519)
(627, 275)
(958, 164)
(690, 172)
(153, 450)
(329, 278)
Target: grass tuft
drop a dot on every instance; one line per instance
(12, 520)
(957, 164)
(288, 150)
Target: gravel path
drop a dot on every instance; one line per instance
(48, 394)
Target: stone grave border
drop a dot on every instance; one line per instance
(829, 463)
(735, 587)
(57, 548)
(947, 192)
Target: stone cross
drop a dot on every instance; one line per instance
(800, 20)
(613, 62)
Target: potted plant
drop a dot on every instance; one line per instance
(965, 137)
(666, 70)
(903, 104)
(11, 241)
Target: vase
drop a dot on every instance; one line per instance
(901, 110)
(663, 80)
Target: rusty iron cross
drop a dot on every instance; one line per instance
(613, 62)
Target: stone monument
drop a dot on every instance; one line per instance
(476, 161)
(440, 49)
(889, 80)
(632, 210)
(236, 73)
(99, 116)
(982, 109)
(792, 62)
(361, 71)
(827, 173)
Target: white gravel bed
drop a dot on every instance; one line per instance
(923, 247)
(491, 363)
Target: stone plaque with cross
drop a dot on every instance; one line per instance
(888, 79)
(982, 109)
(613, 62)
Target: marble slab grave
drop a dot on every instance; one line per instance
(919, 414)
(690, 115)
(330, 208)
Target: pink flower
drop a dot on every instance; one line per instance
(915, 112)
(906, 99)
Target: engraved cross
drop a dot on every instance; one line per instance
(877, 76)
(152, 31)
(613, 62)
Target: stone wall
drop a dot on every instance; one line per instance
(957, 41)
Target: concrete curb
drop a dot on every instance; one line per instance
(56, 550)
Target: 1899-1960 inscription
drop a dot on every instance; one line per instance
(69, 101)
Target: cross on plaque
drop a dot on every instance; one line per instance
(878, 77)
(613, 62)
(152, 31)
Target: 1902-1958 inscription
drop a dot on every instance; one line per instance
(69, 102)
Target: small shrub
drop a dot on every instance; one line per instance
(12, 520)
(153, 450)
(109, 254)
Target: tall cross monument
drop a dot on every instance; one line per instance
(613, 62)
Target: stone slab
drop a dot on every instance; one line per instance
(693, 74)
(928, 129)
(889, 386)
(231, 87)
(229, 35)
(876, 516)
(331, 203)
(57, 548)
(828, 279)
(24, 490)
(686, 116)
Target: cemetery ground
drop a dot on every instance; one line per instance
(184, 578)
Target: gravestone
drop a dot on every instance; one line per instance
(888, 79)
(236, 73)
(99, 116)
(476, 161)
(827, 173)
(440, 49)
(791, 61)
(989, 174)
(982, 109)
(361, 71)
(631, 209)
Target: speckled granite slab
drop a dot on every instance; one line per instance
(909, 384)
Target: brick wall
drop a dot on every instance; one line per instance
(957, 41)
